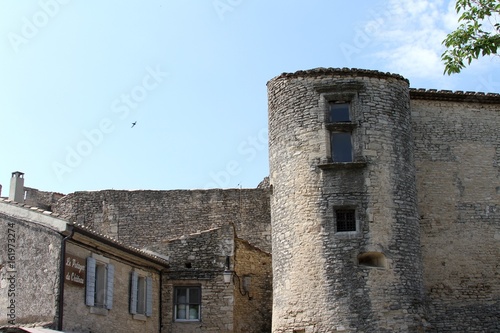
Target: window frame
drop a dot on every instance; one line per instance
(187, 303)
(341, 148)
(342, 125)
(339, 103)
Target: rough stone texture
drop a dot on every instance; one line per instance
(36, 272)
(78, 316)
(141, 218)
(41, 199)
(458, 170)
(199, 260)
(318, 284)
(253, 303)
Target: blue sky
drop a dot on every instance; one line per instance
(75, 75)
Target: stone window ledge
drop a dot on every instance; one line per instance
(342, 165)
(98, 311)
(342, 127)
(140, 317)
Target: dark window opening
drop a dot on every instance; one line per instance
(338, 112)
(372, 259)
(346, 220)
(188, 265)
(341, 145)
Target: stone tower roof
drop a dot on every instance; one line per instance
(322, 71)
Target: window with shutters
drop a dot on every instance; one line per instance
(141, 294)
(99, 282)
(187, 303)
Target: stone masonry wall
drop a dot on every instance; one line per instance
(457, 153)
(40, 199)
(29, 272)
(140, 218)
(319, 285)
(252, 289)
(199, 260)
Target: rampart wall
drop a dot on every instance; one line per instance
(41, 199)
(457, 157)
(140, 218)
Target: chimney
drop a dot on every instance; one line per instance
(17, 187)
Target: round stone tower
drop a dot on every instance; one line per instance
(346, 237)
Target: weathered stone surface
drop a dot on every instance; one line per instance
(199, 260)
(457, 156)
(318, 284)
(29, 272)
(141, 218)
(252, 289)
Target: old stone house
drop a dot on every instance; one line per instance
(55, 272)
(381, 212)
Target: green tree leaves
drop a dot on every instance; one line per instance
(477, 35)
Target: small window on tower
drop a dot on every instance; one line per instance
(339, 112)
(345, 220)
(341, 143)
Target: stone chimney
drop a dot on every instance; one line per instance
(17, 187)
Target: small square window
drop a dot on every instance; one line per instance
(345, 220)
(187, 303)
(338, 112)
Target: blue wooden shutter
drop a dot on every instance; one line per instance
(133, 292)
(90, 285)
(109, 286)
(149, 296)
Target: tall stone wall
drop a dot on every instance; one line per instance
(29, 273)
(457, 153)
(320, 283)
(140, 218)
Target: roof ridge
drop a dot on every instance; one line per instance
(458, 95)
(340, 71)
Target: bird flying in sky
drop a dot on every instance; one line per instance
(133, 124)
